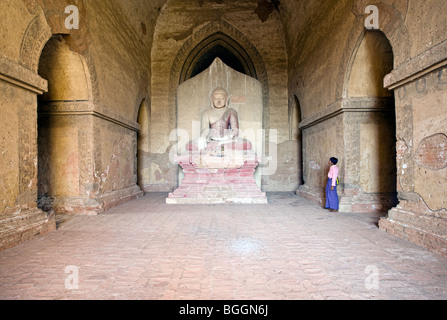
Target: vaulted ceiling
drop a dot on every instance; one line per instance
(295, 15)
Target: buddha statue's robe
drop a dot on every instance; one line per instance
(220, 132)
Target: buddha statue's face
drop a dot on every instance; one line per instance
(219, 99)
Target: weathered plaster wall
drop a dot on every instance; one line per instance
(327, 136)
(422, 140)
(17, 187)
(15, 18)
(317, 52)
(19, 89)
(421, 215)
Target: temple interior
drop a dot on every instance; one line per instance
(91, 112)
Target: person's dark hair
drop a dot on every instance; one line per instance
(334, 160)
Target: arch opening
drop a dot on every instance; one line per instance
(377, 122)
(143, 145)
(217, 51)
(296, 135)
(217, 45)
(59, 137)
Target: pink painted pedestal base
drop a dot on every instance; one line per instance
(211, 179)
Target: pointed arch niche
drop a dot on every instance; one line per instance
(370, 127)
(63, 134)
(217, 45)
(295, 134)
(221, 40)
(143, 144)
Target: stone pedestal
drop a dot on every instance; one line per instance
(354, 200)
(21, 224)
(413, 221)
(218, 177)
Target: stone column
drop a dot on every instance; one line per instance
(420, 85)
(87, 158)
(20, 219)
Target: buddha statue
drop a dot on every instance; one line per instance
(219, 128)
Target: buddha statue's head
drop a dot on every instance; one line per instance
(219, 98)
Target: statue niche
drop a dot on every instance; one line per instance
(219, 164)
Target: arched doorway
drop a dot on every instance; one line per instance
(295, 135)
(374, 120)
(59, 136)
(143, 145)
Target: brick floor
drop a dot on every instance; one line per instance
(289, 249)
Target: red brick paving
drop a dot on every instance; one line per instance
(289, 249)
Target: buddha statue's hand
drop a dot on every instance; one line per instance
(220, 138)
(224, 138)
(201, 143)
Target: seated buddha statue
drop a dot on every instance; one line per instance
(219, 127)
